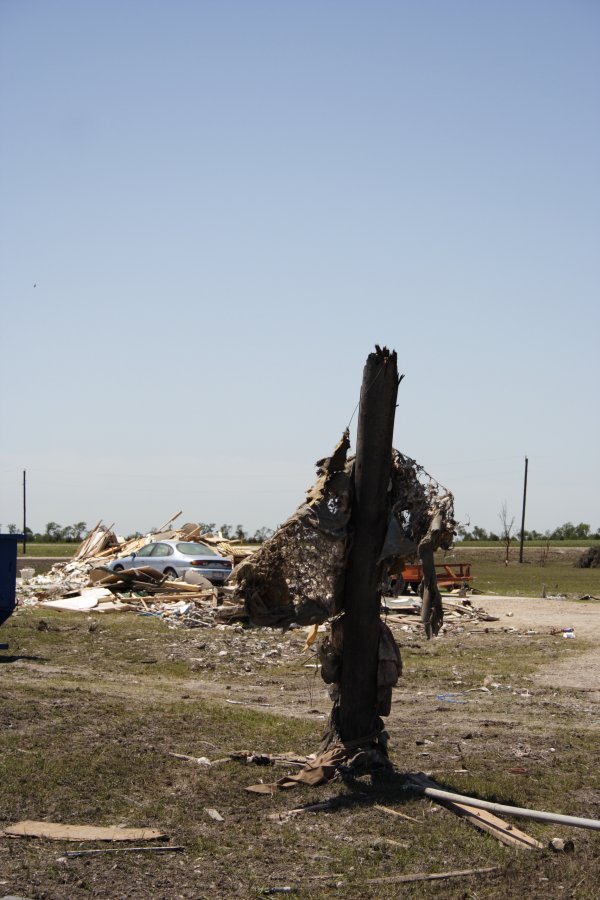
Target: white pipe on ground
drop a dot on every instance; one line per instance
(518, 811)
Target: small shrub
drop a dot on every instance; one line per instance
(589, 559)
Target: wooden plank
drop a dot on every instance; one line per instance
(431, 876)
(87, 541)
(55, 831)
(169, 521)
(183, 587)
(482, 819)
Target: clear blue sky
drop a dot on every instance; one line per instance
(212, 211)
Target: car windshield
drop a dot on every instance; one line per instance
(190, 548)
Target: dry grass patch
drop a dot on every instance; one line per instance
(89, 720)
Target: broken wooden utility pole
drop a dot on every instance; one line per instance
(24, 512)
(523, 515)
(372, 469)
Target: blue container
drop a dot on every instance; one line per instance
(8, 574)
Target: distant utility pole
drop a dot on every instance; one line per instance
(523, 516)
(24, 512)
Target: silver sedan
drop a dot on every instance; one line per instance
(174, 558)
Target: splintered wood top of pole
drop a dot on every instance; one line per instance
(382, 354)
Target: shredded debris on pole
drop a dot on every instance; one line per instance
(297, 576)
(363, 519)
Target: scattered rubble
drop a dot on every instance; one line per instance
(458, 612)
(85, 584)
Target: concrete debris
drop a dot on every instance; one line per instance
(214, 814)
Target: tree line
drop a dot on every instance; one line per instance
(54, 533)
(74, 534)
(566, 532)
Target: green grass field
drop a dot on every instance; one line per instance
(528, 545)
(54, 549)
(553, 570)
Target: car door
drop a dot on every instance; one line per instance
(161, 557)
(142, 557)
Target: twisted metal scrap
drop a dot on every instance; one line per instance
(298, 574)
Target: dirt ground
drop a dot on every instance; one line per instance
(95, 707)
(578, 671)
(581, 673)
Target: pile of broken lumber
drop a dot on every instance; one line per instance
(406, 612)
(85, 583)
(102, 544)
(148, 590)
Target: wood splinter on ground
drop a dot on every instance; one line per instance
(55, 831)
(431, 876)
(395, 812)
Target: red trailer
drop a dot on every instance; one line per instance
(449, 576)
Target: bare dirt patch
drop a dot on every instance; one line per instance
(580, 672)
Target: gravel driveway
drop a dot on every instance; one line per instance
(581, 672)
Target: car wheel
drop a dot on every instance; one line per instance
(170, 573)
(117, 568)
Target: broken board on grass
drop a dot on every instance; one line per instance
(481, 818)
(55, 831)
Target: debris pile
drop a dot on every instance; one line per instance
(85, 583)
(460, 611)
(282, 579)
